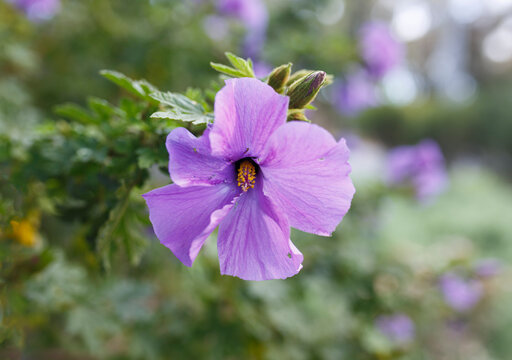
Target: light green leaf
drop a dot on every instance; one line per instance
(241, 67)
(182, 108)
(245, 66)
(227, 70)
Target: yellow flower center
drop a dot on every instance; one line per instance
(246, 175)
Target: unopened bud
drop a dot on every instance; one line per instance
(296, 115)
(279, 77)
(298, 75)
(304, 90)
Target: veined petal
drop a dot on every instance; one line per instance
(191, 161)
(254, 240)
(183, 217)
(247, 112)
(305, 173)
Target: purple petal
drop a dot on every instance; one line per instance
(306, 174)
(247, 112)
(191, 162)
(254, 240)
(183, 217)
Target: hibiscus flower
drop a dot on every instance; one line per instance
(254, 175)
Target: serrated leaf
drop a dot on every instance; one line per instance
(241, 67)
(227, 70)
(106, 233)
(194, 119)
(245, 66)
(182, 108)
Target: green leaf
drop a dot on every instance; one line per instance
(194, 119)
(149, 157)
(182, 108)
(227, 70)
(140, 88)
(102, 107)
(75, 112)
(106, 233)
(241, 67)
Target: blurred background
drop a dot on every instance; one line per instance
(418, 269)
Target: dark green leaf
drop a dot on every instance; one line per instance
(75, 112)
(140, 88)
(101, 107)
(106, 233)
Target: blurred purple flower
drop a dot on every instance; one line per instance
(38, 10)
(398, 328)
(379, 49)
(261, 69)
(355, 93)
(459, 293)
(253, 15)
(488, 267)
(422, 165)
(255, 175)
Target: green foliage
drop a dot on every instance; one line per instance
(139, 88)
(97, 284)
(239, 68)
(182, 108)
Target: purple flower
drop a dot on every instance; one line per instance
(422, 165)
(253, 15)
(490, 267)
(254, 175)
(379, 49)
(398, 328)
(355, 94)
(38, 10)
(459, 293)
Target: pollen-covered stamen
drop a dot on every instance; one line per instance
(246, 175)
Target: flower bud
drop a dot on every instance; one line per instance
(279, 77)
(296, 115)
(298, 75)
(304, 90)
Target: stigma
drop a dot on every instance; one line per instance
(246, 175)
